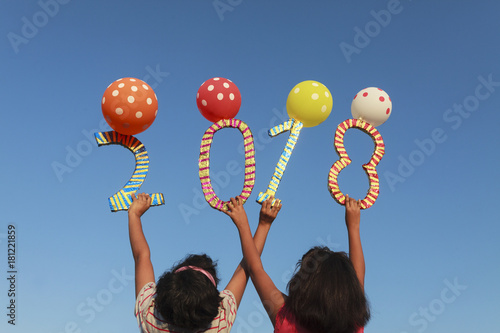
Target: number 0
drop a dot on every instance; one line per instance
(204, 162)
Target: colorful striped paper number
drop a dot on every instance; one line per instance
(123, 198)
(294, 126)
(370, 167)
(204, 162)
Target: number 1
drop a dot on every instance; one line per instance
(294, 126)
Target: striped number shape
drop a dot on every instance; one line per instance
(294, 126)
(204, 162)
(122, 199)
(370, 167)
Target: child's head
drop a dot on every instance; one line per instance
(325, 294)
(187, 297)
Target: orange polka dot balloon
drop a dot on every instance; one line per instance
(218, 98)
(129, 106)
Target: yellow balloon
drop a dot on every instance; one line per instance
(309, 102)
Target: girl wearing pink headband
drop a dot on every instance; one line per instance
(186, 298)
(201, 270)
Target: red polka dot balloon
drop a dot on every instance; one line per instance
(372, 105)
(129, 106)
(218, 98)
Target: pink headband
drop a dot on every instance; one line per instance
(194, 268)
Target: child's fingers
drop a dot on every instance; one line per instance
(351, 202)
(229, 209)
(231, 204)
(142, 197)
(273, 201)
(273, 209)
(267, 203)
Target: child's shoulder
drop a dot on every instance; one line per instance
(228, 299)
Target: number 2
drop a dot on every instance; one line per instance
(122, 199)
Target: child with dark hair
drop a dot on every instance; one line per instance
(325, 294)
(185, 298)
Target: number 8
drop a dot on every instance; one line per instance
(370, 167)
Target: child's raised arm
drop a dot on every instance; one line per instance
(352, 220)
(144, 272)
(270, 296)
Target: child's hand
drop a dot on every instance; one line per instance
(268, 212)
(140, 204)
(352, 212)
(236, 212)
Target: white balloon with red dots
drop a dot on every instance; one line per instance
(372, 105)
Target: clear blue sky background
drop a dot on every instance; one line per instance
(431, 240)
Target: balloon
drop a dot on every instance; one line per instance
(129, 106)
(372, 105)
(309, 102)
(218, 98)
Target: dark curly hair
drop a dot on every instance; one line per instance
(188, 299)
(325, 295)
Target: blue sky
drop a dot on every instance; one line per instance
(430, 241)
